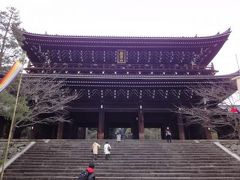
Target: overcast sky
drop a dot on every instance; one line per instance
(137, 18)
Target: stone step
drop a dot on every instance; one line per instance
(126, 166)
(117, 178)
(127, 159)
(133, 159)
(135, 174)
(131, 156)
(116, 170)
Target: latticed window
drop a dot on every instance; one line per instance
(132, 56)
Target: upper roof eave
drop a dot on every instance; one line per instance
(218, 35)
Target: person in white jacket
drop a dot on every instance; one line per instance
(107, 150)
(95, 147)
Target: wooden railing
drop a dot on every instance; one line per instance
(116, 68)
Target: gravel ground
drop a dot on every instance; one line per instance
(232, 145)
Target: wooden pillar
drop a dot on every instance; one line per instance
(5, 129)
(100, 133)
(60, 130)
(2, 127)
(75, 130)
(35, 131)
(134, 129)
(69, 130)
(106, 131)
(53, 130)
(141, 124)
(181, 127)
(86, 133)
(208, 133)
(82, 132)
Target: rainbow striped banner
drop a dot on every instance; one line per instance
(10, 76)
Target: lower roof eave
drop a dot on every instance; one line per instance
(133, 77)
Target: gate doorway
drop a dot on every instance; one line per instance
(124, 121)
(153, 133)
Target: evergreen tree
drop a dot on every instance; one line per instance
(7, 102)
(10, 35)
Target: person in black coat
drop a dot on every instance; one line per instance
(88, 174)
(90, 170)
(168, 135)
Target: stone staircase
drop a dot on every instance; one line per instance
(130, 160)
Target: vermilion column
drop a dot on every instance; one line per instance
(141, 124)
(60, 130)
(181, 127)
(100, 134)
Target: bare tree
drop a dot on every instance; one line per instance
(43, 100)
(214, 108)
(48, 99)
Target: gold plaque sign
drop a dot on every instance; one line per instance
(121, 56)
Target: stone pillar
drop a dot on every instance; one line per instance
(181, 127)
(208, 133)
(100, 133)
(60, 130)
(141, 124)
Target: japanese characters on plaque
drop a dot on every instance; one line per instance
(121, 56)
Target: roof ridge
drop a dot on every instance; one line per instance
(225, 33)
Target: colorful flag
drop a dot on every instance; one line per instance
(11, 74)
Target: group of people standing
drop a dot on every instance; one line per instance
(107, 151)
(106, 148)
(88, 174)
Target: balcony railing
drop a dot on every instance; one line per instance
(77, 68)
